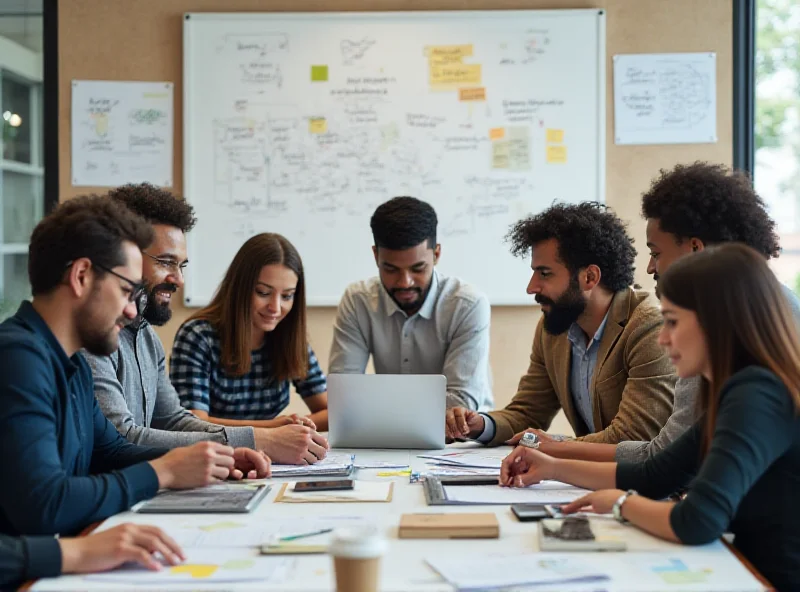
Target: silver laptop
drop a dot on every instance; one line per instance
(386, 410)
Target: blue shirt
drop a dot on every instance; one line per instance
(64, 465)
(203, 384)
(584, 360)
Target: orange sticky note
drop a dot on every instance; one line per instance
(472, 94)
(497, 133)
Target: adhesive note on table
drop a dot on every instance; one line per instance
(556, 154)
(319, 73)
(497, 133)
(405, 473)
(555, 136)
(472, 94)
(318, 125)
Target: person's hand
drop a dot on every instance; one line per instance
(294, 418)
(250, 464)
(543, 436)
(292, 444)
(194, 466)
(526, 466)
(111, 548)
(599, 502)
(460, 423)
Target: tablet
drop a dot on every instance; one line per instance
(222, 498)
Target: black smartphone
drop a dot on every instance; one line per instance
(530, 512)
(334, 485)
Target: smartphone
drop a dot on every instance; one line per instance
(530, 512)
(335, 485)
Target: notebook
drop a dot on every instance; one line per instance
(449, 526)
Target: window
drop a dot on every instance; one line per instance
(21, 155)
(777, 130)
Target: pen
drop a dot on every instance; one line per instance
(304, 535)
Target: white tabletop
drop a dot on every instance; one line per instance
(404, 568)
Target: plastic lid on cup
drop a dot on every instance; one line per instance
(357, 543)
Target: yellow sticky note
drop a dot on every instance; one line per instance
(221, 526)
(555, 136)
(404, 473)
(318, 125)
(472, 94)
(444, 51)
(196, 571)
(497, 133)
(445, 60)
(455, 75)
(319, 73)
(556, 154)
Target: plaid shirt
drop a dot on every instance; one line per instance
(202, 384)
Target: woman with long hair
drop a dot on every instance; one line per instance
(726, 320)
(232, 362)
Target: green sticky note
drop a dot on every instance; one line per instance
(319, 73)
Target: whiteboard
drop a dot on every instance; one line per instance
(303, 124)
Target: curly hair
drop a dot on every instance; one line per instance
(587, 233)
(156, 205)
(402, 223)
(90, 226)
(712, 203)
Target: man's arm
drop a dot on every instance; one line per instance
(41, 497)
(26, 558)
(350, 349)
(535, 404)
(684, 415)
(648, 395)
(466, 362)
(173, 426)
(182, 425)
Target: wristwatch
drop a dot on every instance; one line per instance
(529, 440)
(617, 507)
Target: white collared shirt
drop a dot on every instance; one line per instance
(448, 335)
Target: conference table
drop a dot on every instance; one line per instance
(405, 566)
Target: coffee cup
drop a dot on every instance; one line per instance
(356, 554)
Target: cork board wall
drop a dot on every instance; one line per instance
(142, 40)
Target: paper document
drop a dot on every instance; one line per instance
(194, 531)
(492, 573)
(490, 495)
(363, 491)
(479, 460)
(205, 566)
(331, 463)
(380, 465)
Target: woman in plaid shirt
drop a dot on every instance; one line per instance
(232, 362)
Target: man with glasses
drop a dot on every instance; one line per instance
(131, 384)
(64, 464)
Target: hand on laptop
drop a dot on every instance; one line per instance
(462, 423)
(292, 444)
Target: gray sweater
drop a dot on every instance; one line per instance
(135, 394)
(684, 410)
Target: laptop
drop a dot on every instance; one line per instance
(386, 410)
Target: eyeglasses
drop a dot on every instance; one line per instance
(169, 264)
(138, 290)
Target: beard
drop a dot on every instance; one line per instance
(158, 314)
(565, 310)
(94, 337)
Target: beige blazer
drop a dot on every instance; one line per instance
(631, 391)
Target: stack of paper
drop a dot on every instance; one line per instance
(334, 464)
(472, 459)
(551, 492)
(494, 573)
